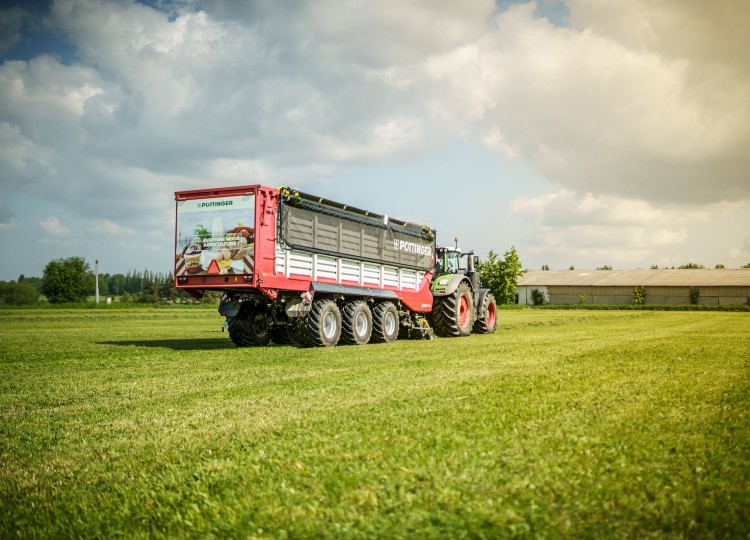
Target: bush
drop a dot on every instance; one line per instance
(538, 298)
(639, 296)
(18, 294)
(694, 294)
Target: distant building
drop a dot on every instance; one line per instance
(716, 287)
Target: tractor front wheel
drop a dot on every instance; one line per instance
(451, 315)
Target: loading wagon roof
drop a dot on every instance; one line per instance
(296, 197)
(721, 277)
(217, 192)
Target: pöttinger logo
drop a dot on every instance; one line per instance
(412, 247)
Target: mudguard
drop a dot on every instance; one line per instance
(447, 284)
(480, 298)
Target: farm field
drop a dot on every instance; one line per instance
(149, 422)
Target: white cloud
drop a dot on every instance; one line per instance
(708, 32)
(105, 227)
(600, 228)
(283, 87)
(591, 114)
(52, 227)
(742, 253)
(494, 139)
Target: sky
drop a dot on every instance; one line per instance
(583, 132)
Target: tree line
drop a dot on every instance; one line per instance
(72, 280)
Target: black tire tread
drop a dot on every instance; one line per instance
(444, 318)
(378, 334)
(240, 331)
(283, 335)
(347, 322)
(481, 326)
(308, 331)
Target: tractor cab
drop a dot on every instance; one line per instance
(451, 260)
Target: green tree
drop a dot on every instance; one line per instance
(695, 293)
(67, 280)
(639, 296)
(18, 294)
(501, 275)
(167, 290)
(31, 281)
(103, 283)
(151, 294)
(116, 284)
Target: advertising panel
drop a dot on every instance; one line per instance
(215, 236)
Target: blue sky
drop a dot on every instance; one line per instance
(583, 132)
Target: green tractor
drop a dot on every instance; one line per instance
(460, 304)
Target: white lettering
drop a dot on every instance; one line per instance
(412, 247)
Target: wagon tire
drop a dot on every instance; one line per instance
(385, 323)
(356, 321)
(322, 325)
(283, 335)
(250, 327)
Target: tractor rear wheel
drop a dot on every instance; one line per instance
(322, 325)
(356, 320)
(451, 315)
(250, 328)
(384, 323)
(487, 321)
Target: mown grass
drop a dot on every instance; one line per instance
(138, 423)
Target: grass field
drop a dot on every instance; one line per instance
(149, 422)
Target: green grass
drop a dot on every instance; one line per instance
(138, 423)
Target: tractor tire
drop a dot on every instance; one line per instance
(283, 335)
(451, 315)
(322, 325)
(385, 324)
(249, 328)
(487, 321)
(356, 321)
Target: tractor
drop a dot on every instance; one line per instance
(460, 304)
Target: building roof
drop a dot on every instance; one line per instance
(720, 277)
